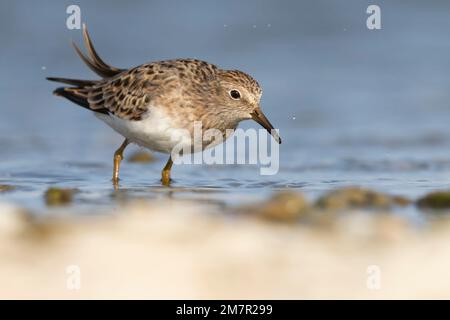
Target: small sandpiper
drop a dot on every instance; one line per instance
(146, 104)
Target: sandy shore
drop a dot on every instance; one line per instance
(176, 249)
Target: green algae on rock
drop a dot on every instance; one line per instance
(6, 187)
(435, 200)
(355, 197)
(59, 196)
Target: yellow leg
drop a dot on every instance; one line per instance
(165, 175)
(118, 156)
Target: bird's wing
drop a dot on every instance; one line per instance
(129, 95)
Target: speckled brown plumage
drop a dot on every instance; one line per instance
(129, 94)
(185, 83)
(177, 92)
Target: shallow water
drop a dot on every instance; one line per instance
(354, 107)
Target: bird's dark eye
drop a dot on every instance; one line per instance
(236, 95)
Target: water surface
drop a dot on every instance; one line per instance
(354, 107)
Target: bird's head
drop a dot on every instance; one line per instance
(241, 95)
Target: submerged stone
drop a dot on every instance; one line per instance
(141, 157)
(59, 196)
(6, 187)
(435, 200)
(401, 201)
(355, 197)
(284, 206)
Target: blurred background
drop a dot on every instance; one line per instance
(355, 107)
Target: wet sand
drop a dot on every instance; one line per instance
(186, 250)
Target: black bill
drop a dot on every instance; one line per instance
(259, 117)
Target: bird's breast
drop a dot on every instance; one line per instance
(156, 131)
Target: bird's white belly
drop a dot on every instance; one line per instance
(156, 131)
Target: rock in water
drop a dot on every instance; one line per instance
(59, 196)
(141, 157)
(6, 187)
(283, 206)
(435, 200)
(355, 197)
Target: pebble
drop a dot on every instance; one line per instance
(59, 196)
(141, 157)
(355, 197)
(435, 200)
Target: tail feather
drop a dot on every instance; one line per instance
(72, 95)
(94, 55)
(80, 90)
(93, 60)
(75, 82)
(78, 96)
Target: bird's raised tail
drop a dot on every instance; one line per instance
(93, 60)
(74, 82)
(77, 94)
